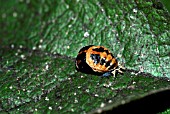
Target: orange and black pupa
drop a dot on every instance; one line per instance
(97, 60)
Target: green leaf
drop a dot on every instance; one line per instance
(40, 41)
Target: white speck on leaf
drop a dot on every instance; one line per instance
(69, 26)
(41, 40)
(34, 48)
(21, 46)
(75, 101)
(87, 90)
(40, 46)
(72, 110)
(50, 108)
(99, 110)
(110, 101)
(22, 56)
(60, 107)
(46, 98)
(15, 14)
(68, 47)
(79, 87)
(10, 87)
(135, 10)
(12, 46)
(102, 105)
(86, 34)
(96, 95)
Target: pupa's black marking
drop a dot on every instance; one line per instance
(108, 63)
(82, 65)
(85, 48)
(112, 66)
(101, 49)
(102, 61)
(95, 58)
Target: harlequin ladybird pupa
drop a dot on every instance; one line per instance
(97, 60)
